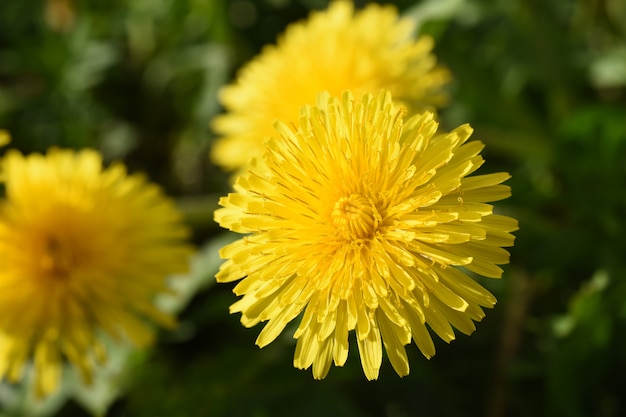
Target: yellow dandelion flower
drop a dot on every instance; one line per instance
(334, 50)
(358, 219)
(84, 252)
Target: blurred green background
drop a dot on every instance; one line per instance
(543, 82)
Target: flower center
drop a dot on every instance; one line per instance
(355, 217)
(58, 258)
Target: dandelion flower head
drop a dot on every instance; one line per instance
(334, 50)
(358, 220)
(84, 252)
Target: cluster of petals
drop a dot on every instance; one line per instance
(85, 250)
(358, 219)
(333, 50)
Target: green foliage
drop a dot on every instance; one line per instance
(543, 84)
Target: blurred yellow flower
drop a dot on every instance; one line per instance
(358, 219)
(84, 251)
(5, 137)
(334, 50)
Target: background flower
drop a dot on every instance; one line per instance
(84, 251)
(334, 50)
(4, 137)
(359, 218)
